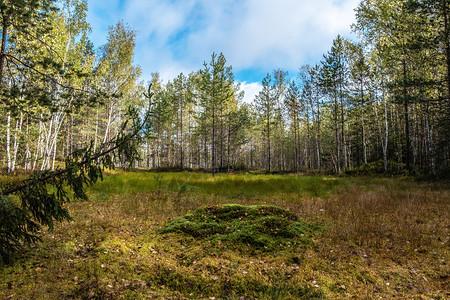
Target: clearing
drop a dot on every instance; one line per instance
(188, 235)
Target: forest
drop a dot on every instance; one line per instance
(383, 97)
(331, 183)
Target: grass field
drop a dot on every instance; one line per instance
(362, 238)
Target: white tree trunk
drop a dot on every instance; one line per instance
(8, 141)
(27, 162)
(58, 125)
(16, 141)
(96, 132)
(386, 132)
(38, 145)
(108, 124)
(384, 140)
(46, 149)
(430, 142)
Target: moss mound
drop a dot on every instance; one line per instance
(265, 228)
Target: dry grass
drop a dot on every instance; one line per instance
(384, 238)
(398, 238)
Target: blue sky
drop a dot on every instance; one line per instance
(256, 36)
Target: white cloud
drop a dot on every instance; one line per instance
(251, 90)
(253, 34)
(281, 33)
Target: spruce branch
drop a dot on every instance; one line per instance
(42, 197)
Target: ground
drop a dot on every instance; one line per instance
(362, 238)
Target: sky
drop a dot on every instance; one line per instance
(256, 36)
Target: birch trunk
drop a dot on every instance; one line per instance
(27, 162)
(16, 141)
(38, 145)
(8, 142)
(430, 141)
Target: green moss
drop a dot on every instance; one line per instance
(265, 228)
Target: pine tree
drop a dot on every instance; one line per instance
(333, 80)
(216, 81)
(265, 103)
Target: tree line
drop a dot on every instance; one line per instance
(382, 97)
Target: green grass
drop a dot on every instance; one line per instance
(379, 237)
(230, 186)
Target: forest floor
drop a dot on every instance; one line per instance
(379, 238)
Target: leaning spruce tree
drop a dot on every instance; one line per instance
(40, 200)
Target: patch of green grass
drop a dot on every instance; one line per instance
(260, 227)
(226, 185)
